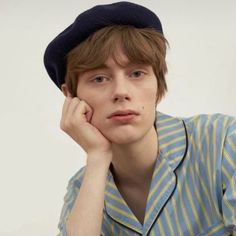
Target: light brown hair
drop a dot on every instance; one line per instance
(140, 45)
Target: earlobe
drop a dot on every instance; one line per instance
(65, 90)
(157, 101)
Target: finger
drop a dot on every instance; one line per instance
(85, 110)
(89, 113)
(72, 107)
(65, 107)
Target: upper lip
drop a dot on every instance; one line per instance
(123, 112)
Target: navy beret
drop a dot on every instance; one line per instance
(88, 22)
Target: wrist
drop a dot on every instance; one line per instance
(99, 159)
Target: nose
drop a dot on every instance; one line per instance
(121, 90)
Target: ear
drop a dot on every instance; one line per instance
(157, 100)
(65, 90)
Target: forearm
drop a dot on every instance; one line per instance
(87, 213)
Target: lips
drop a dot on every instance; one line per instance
(123, 113)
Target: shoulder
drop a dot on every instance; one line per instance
(69, 198)
(74, 184)
(77, 178)
(215, 124)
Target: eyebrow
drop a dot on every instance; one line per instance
(104, 66)
(126, 64)
(92, 70)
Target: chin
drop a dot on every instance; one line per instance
(125, 134)
(124, 137)
(122, 141)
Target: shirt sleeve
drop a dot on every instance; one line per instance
(229, 179)
(69, 199)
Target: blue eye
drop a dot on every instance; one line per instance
(137, 73)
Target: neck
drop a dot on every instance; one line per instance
(133, 164)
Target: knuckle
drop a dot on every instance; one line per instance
(62, 123)
(75, 100)
(82, 103)
(69, 123)
(65, 125)
(62, 126)
(73, 122)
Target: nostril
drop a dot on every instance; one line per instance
(121, 98)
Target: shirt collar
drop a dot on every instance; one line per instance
(172, 138)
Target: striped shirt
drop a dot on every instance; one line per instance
(193, 188)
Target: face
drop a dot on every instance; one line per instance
(123, 99)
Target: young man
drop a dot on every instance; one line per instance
(147, 173)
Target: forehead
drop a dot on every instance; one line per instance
(117, 59)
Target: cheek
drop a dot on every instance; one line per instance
(99, 115)
(148, 106)
(149, 98)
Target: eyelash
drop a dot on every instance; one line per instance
(98, 77)
(138, 71)
(132, 74)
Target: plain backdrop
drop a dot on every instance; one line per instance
(37, 158)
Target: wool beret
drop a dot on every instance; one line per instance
(88, 22)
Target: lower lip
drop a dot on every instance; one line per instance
(124, 118)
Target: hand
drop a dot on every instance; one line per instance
(75, 121)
